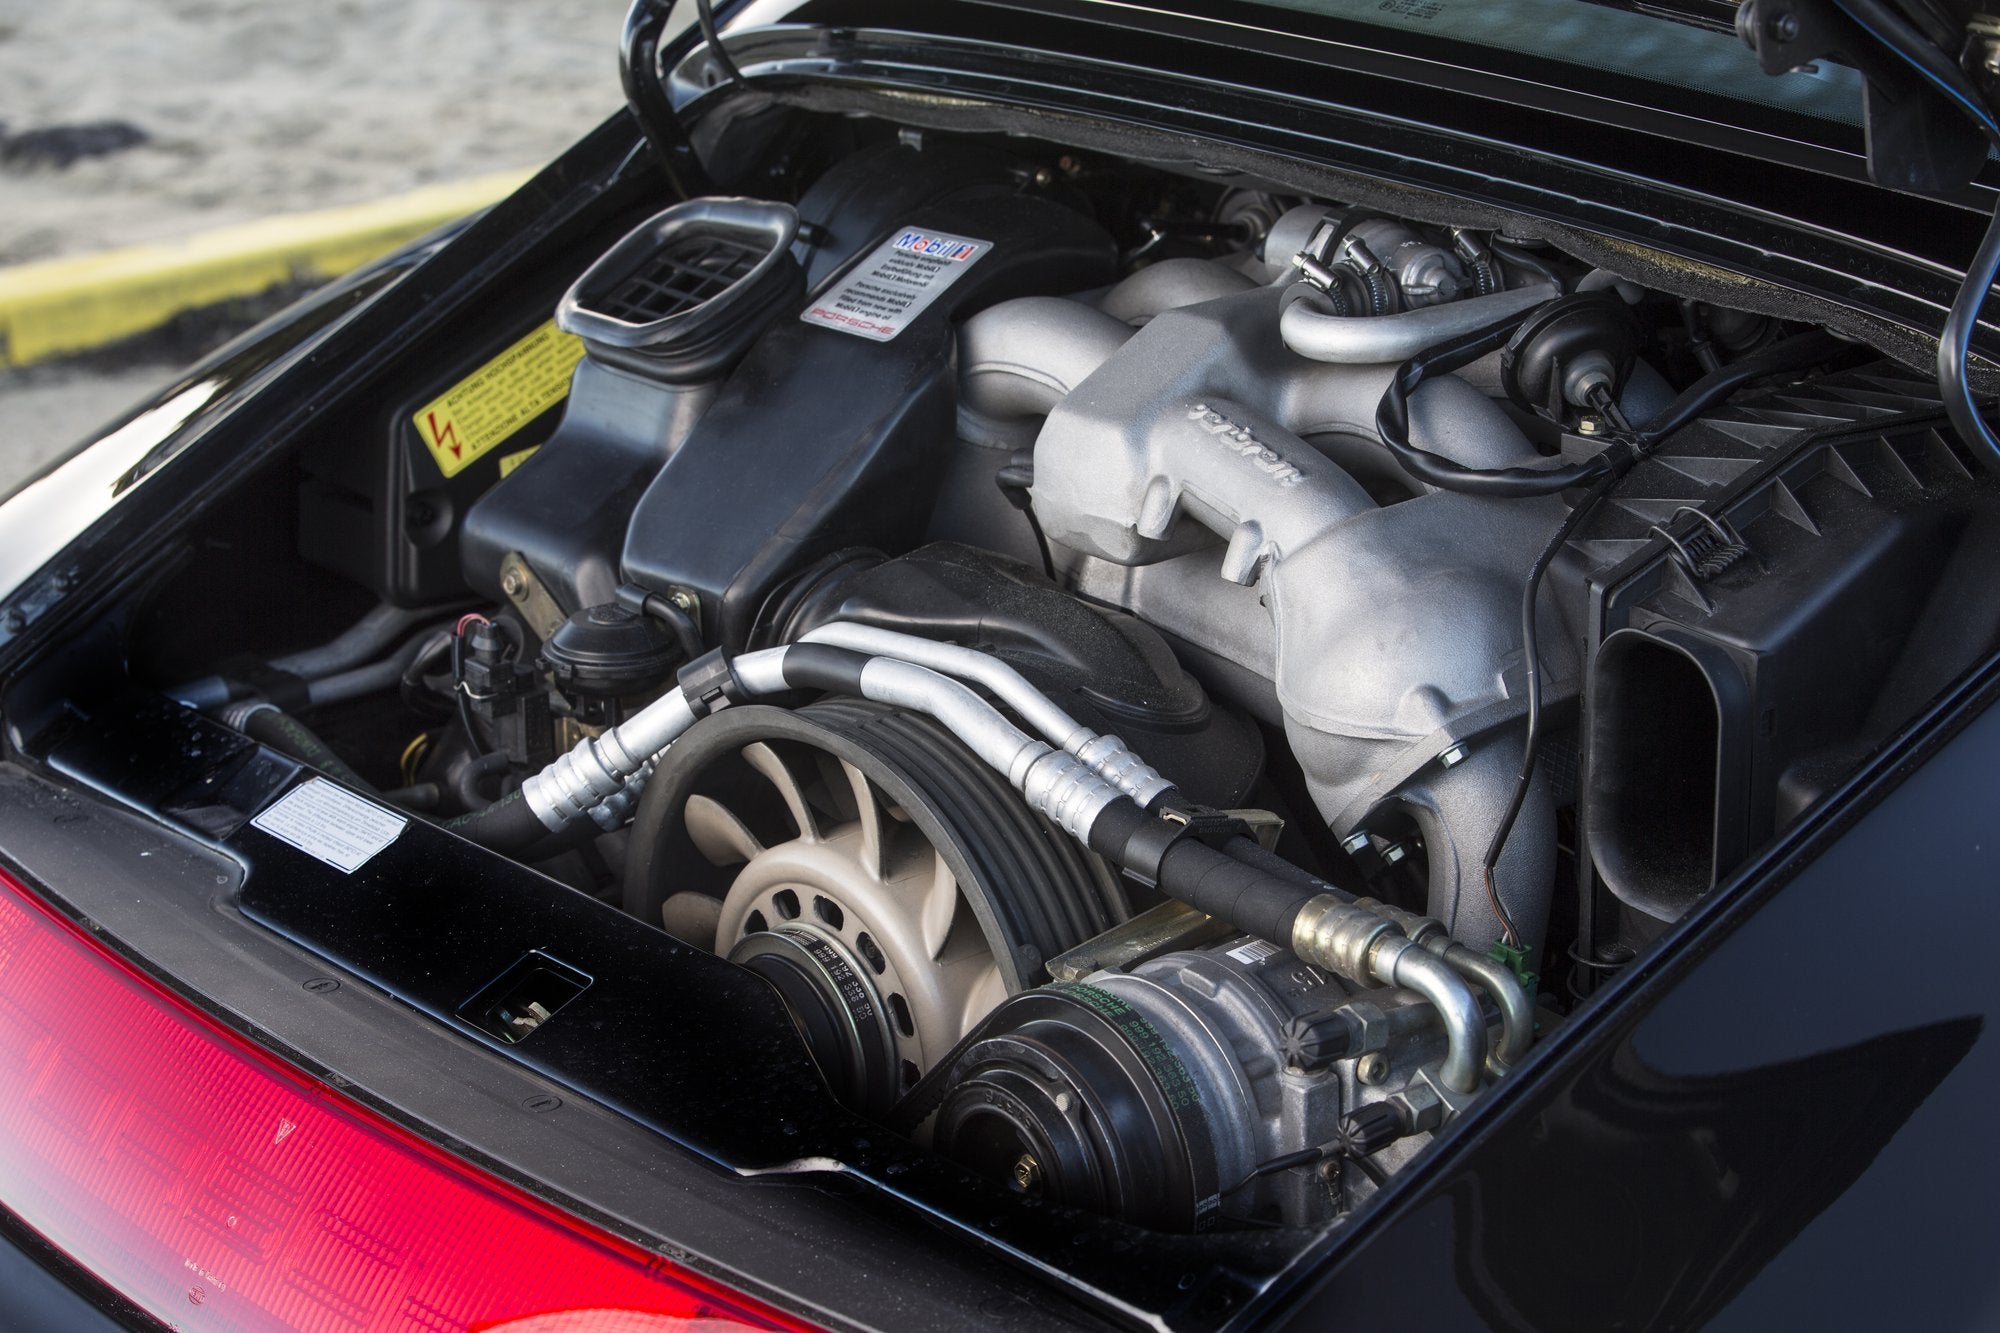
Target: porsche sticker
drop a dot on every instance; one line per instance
(486, 408)
(882, 294)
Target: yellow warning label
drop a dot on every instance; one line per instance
(508, 462)
(485, 408)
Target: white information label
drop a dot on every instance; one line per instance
(886, 291)
(1254, 952)
(325, 820)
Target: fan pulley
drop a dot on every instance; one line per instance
(890, 886)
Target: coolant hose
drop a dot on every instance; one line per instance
(267, 723)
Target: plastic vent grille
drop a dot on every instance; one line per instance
(680, 277)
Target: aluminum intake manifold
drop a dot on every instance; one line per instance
(1392, 633)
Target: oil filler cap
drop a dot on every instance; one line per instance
(610, 652)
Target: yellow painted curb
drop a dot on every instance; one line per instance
(71, 305)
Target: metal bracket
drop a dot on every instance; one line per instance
(528, 596)
(1158, 930)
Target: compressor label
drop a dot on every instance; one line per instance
(325, 820)
(486, 408)
(883, 294)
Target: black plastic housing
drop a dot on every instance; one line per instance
(567, 510)
(663, 315)
(823, 440)
(1729, 690)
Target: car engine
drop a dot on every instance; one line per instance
(1178, 684)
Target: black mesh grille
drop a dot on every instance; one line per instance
(680, 277)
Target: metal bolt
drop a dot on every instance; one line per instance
(1453, 756)
(1027, 1174)
(512, 583)
(1372, 1068)
(1355, 843)
(1043, 177)
(13, 622)
(1590, 425)
(1393, 853)
(66, 580)
(1785, 27)
(682, 598)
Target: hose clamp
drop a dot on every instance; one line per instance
(709, 683)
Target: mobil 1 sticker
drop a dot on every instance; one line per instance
(883, 294)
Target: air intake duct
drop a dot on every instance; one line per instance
(663, 315)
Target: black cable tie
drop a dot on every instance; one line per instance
(709, 683)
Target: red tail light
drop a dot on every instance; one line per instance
(214, 1187)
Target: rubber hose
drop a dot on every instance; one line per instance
(1253, 900)
(1253, 853)
(287, 735)
(509, 825)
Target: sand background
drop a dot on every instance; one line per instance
(255, 107)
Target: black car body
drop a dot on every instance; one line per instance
(1755, 1101)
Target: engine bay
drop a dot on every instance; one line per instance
(1175, 686)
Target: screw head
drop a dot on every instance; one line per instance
(1372, 1068)
(13, 622)
(320, 985)
(1453, 756)
(1590, 425)
(512, 583)
(1393, 853)
(682, 598)
(541, 1103)
(1027, 1174)
(1355, 843)
(1785, 27)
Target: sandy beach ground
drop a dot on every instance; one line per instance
(254, 107)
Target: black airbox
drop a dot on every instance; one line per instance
(829, 434)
